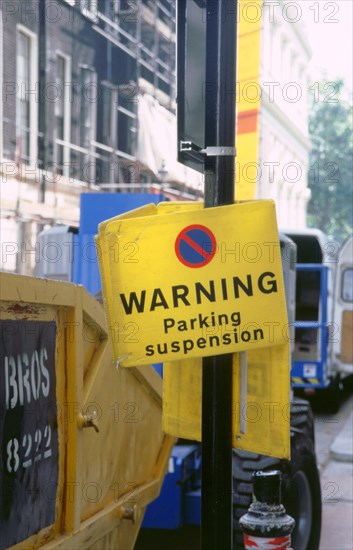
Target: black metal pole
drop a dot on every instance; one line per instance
(42, 111)
(220, 102)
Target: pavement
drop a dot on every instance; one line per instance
(337, 488)
(334, 451)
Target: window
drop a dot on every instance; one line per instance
(88, 96)
(106, 121)
(89, 8)
(126, 119)
(88, 93)
(26, 101)
(347, 285)
(147, 35)
(149, 4)
(126, 132)
(128, 14)
(62, 114)
(105, 115)
(116, 130)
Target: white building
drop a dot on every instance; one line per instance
(284, 118)
(277, 140)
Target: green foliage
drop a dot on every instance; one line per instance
(331, 163)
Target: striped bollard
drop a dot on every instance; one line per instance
(266, 524)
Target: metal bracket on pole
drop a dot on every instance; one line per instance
(208, 151)
(219, 151)
(188, 146)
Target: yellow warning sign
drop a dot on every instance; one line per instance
(192, 283)
(260, 416)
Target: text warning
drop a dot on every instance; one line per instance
(187, 293)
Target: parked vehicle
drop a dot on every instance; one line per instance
(342, 344)
(323, 355)
(310, 294)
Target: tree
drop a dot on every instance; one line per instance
(331, 162)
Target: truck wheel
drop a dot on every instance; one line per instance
(331, 397)
(301, 493)
(244, 464)
(328, 400)
(302, 497)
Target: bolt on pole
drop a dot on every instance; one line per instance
(220, 102)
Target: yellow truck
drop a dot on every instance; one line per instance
(82, 447)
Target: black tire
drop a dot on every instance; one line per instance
(302, 496)
(301, 493)
(244, 464)
(348, 384)
(327, 400)
(332, 396)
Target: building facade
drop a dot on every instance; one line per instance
(88, 104)
(273, 143)
(79, 78)
(284, 139)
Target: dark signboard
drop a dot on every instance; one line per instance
(191, 80)
(28, 429)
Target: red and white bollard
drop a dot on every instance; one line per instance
(266, 524)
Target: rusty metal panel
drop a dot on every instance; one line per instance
(92, 491)
(347, 339)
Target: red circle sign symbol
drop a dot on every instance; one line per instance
(195, 246)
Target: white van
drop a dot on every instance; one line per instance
(323, 347)
(342, 345)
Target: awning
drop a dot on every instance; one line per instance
(157, 144)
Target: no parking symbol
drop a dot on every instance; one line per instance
(180, 298)
(195, 246)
